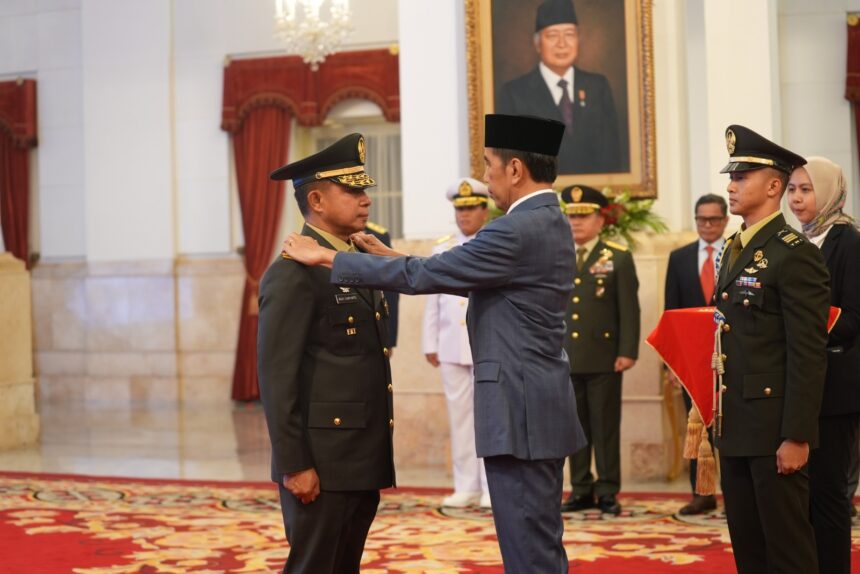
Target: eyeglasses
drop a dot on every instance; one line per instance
(702, 220)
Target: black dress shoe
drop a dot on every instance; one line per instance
(699, 505)
(577, 503)
(608, 505)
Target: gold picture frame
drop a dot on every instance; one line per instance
(633, 68)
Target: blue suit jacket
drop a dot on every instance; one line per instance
(517, 273)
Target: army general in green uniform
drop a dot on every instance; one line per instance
(772, 291)
(325, 381)
(602, 341)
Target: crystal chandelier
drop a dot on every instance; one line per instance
(299, 26)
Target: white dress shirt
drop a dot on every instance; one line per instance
(551, 79)
(818, 240)
(703, 253)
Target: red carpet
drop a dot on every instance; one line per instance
(88, 525)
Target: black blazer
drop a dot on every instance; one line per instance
(841, 251)
(592, 146)
(683, 288)
(325, 382)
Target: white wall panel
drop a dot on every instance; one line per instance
(127, 133)
(18, 44)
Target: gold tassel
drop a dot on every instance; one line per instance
(694, 434)
(706, 473)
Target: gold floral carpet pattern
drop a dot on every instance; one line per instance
(89, 525)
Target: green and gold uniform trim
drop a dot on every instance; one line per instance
(788, 236)
(616, 246)
(751, 159)
(375, 227)
(470, 201)
(581, 208)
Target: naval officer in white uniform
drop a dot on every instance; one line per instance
(446, 346)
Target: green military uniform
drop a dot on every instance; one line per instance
(325, 384)
(772, 290)
(602, 323)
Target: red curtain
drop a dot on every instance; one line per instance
(17, 136)
(259, 146)
(852, 80)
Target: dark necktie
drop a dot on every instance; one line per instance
(580, 257)
(565, 105)
(736, 249)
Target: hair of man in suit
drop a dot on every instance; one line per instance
(712, 198)
(542, 168)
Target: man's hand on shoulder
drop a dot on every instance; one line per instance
(306, 250)
(304, 485)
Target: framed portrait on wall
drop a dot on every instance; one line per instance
(587, 63)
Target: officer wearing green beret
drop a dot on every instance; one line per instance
(773, 299)
(602, 342)
(325, 381)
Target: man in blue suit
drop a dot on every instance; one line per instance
(516, 273)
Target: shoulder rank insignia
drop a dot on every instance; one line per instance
(442, 240)
(788, 236)
(616, 246)
(376, 227)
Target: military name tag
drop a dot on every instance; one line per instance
(342, 298)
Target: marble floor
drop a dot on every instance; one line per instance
(218, 442)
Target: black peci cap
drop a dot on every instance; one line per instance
(581, 200)
(748, 151)
(523, 133)
(554, 12)
(342, 162)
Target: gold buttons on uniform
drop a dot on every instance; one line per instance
(575, 299)
(606, 335)
(746, 302)
(385, 351)
(600, 281)
(350, 319)
(723, 389)
(575, 335)
(378, 316)
(575, 316)
(390, 389)
(726, 328)
(577, 281)
(724, 296)
(767, 391)
(391, 423)
(337, 421)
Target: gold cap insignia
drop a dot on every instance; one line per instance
(731, 140)
(576, 194)
(465, 190)
(361, 149)
(758, 256)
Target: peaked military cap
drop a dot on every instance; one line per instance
(582, 200)
(467, 192)
(342, 162)
(554, 12)
(523, 133)
(748, 151)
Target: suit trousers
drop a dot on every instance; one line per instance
(768, 516)
(459, 383)
(830, 504)
(327, 536)
(598, 402)
(526, 497)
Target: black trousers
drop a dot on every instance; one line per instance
(768, 516)
(830, 503)
(327, 536)
(598, 404)
(526, 497)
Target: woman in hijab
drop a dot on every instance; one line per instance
(816, 195)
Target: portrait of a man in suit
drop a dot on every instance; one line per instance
(558, 87)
